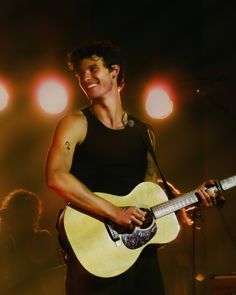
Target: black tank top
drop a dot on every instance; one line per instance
(110, 161)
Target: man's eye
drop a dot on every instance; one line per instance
(93, 69)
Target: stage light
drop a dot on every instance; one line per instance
(200, 277)
(4, 97)
(52, 96)
(158, 103)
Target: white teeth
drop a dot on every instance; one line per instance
(92, 85)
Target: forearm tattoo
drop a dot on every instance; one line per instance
(67, 144)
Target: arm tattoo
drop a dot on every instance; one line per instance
(67, 144)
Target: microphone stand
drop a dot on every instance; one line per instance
(196, 216)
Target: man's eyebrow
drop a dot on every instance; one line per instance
(80, 71)
(93, 65)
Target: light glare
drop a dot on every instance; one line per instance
(52, 97)
(158, 104)
(3, 97)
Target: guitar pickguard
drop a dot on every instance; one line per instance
(139, 237)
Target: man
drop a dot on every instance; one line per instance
(101, 148)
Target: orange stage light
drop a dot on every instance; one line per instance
(158, 103)
(52, 96)
(4, 96)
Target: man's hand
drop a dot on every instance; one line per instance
(129, 217)
(207, 193)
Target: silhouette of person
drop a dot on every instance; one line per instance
(26, 251)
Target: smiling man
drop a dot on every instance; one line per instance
(101, 148)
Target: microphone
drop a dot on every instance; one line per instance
(130, 123)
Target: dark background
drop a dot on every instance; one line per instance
(189, 44)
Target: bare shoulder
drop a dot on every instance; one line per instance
(76, 118)
(73, 126)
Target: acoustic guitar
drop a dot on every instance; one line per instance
(105, 250)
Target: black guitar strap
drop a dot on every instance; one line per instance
(146, 131)
(150, 148)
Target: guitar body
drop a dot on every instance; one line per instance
(95, 248)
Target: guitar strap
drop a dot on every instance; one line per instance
(149, 144)
(146, 131)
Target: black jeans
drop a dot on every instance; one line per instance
(144, 277)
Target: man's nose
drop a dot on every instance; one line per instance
(87, 77)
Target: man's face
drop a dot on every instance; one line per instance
(94, 78)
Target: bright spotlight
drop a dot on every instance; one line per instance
(4, 96)
(158, 104)
(52, 97)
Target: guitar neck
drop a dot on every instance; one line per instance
(228, 183)
(174, 204)
(190, 198)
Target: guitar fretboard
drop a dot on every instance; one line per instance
(174, 204)
(228, 182)
(189, 199)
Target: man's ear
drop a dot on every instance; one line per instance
(115, 69)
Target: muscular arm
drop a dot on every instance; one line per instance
(151, 171)
(152, 175)
(71, 131)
